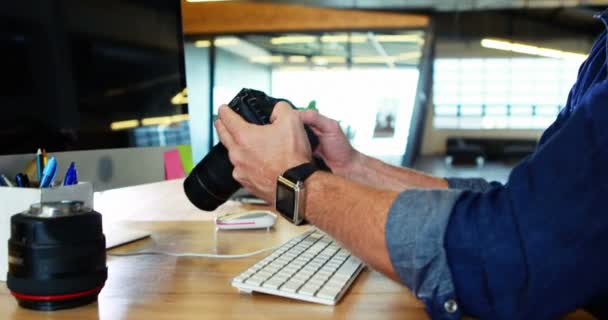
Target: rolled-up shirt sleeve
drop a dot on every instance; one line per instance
(415, 231)
(471, 184)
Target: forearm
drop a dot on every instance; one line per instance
(354, 214)
(377, 174)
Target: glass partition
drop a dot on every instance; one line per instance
(365, 80)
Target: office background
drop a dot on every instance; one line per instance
(418, 83)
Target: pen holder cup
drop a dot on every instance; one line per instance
(17, 200)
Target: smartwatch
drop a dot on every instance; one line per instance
(290, 197)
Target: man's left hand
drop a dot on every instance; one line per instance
(261, 153)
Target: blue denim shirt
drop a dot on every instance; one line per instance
(533, 248)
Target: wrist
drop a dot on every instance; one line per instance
(312, 185)
(355, 167)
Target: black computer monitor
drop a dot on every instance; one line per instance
(90, 74)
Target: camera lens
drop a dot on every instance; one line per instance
(57, 257)
(211, 183)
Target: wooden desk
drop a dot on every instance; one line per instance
(158, 287)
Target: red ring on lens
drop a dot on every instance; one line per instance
(57, 297)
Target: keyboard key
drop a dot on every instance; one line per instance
(273, 283)
(328, 293)
(323, 272)
(315, 282)
(265, 274)
(301, 277)
(290, 288)
(254, 281)
(308, 290)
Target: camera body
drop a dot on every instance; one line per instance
(211, 183)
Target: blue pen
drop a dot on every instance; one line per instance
(39, 164)
(22, 180)
(49, 173)
(7, 181)
(71, 176)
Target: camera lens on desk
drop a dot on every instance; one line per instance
(57, 256)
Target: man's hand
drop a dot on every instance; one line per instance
(349, 163)
(334, 147)
(261, 153)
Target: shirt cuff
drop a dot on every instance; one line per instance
(472, 184)
(415, 232)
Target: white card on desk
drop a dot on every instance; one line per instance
(118, 235)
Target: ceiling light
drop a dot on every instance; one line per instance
(267, 59)
(410, 55)
(122, 125)
(531, 50)
(202, 43)
(180, 98)
(324, 60)
(205, 0)
(228, 41)
(180, 117)
(374, 59)
(156, 121)
(293, 39)
(343, 38)
(294, 68)
(399, 38)
(297, 59)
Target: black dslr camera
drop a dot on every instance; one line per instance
(211, 183)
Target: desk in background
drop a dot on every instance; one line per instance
(159, 287)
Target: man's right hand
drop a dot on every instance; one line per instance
(334, 147)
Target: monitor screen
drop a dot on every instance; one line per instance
(90, 74)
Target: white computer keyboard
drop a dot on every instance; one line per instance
(311, 267)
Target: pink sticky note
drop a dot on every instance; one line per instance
(173, 165)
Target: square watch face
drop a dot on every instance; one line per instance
(286, 199)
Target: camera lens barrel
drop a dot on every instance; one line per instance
(211, 183)
(57, 257)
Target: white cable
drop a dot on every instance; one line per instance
(193, 255)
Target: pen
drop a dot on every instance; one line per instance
(22, 180)
(49, 173)
(45, 158)
(71, 176)
(7, 181)
(39, 164)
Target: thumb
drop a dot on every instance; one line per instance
(319, 122)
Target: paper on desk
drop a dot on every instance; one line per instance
(185, 153)
(173, 165)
